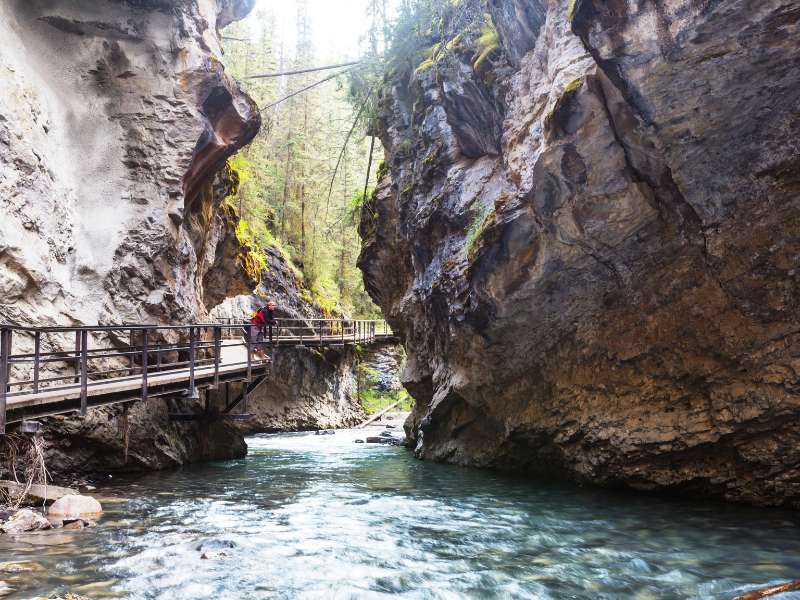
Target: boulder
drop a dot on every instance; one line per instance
(35, 493)
(75, 505)
(379, 440)
(389, 440)
(73, 524)
(25, 520)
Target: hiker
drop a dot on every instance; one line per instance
(257, 332)
(269, 318)
(262, 321)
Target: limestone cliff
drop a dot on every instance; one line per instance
(116, 120)
(590, 245)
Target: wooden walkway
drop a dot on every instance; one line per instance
(59, 370)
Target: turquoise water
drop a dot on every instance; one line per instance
(322, 517)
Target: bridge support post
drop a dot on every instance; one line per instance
(217, 352)
(131, 357)
(249, 330)
(5, 353)
(84, 374)
(77, 361)
(192, 359)
(37, 351)
(145, 362)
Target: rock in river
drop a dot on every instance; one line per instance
(75, 506)
(35, 493)
(215, 548)
(388, 440)
(25, 520)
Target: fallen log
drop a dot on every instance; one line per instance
(377, 416)
(35, 493)
(792, 586)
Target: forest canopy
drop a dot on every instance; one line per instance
(305, 177)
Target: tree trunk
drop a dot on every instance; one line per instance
(792, 586)
(286, 190)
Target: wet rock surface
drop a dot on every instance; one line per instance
(216, 548)
(32, 494)
(113, 439)
(594, 276)
(23, 521)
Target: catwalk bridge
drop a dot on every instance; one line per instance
(47, 371)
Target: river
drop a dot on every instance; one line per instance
(322, 517)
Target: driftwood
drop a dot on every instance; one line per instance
(792, 586)
(377, 416)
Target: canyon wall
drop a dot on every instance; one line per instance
(116, 120)
(589, 244)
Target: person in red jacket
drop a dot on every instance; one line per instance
(263, 320)
(269, 318)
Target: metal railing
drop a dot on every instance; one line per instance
(79, 360)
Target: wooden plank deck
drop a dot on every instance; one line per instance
(25, 404)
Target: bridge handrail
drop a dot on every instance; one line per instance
(141, 343)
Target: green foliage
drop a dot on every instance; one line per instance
(325, 294)
(383, 170)
(253, 259)
(573, 86)
(479, 224)
(285, 173)
(487, 43)
(571, 9)
(357, 203)
(424, 34)
(242, 167)
(375, 401)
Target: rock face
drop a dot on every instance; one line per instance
(604, 287)
(384, 363)
(139, 438)
(308, 389)
(116, 120)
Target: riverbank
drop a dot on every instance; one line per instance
(314, 516)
